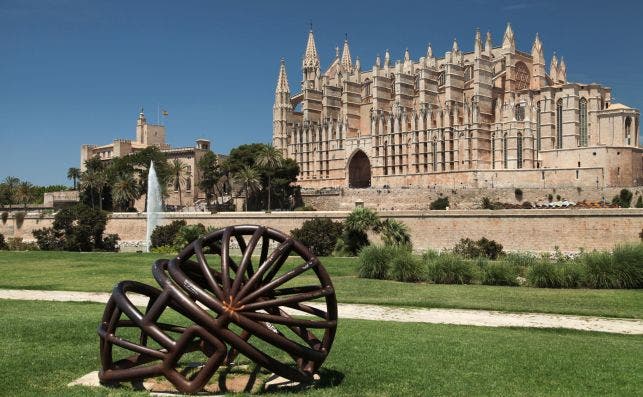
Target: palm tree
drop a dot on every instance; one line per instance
(125, 190)
(248, 177)
(73, 173)
(270, 158)
(93, 180)
(179, 173)
(11, 183)
(24, 193)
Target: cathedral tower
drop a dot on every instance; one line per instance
(281, 111)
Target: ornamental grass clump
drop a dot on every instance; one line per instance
(499, 273)
(374, 261)
(520, 262)
(572, 274)
(628, 264)
(406, 267)
(450, 269)
(544, 274)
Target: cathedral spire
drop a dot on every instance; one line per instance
(488, 45)
(562, 71)
(508, 41)
(387, 58)
(477, 44)
(553, 68)
(282, 80)
(429, 51)
(378, 62)
(455, 45)
(311, 59)
(537, 47)
(347, 63)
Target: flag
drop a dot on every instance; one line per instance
(164, 113)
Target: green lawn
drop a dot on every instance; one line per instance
(100, 271)
(45, 345)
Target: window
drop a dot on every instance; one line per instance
(493, 151)
(435, 155)
(628, 130)
(522, 76)
(441, 78)
(559, 124)
(583, 122)
(505, 151)
(468, 73)
(538, 147)
(367, 88)
(519, 112)
(519, 151)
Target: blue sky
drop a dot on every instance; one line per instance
(77, 71)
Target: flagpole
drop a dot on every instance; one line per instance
(158, 113)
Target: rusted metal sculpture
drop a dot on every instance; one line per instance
(225, 307)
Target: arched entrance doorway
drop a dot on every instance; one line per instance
(359, 171)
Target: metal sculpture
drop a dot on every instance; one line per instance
(225, 308)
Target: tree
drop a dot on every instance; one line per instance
(248, 177)
(213, 178)
(11, 184)
(270, 158)
(179, 173)
(394, 232)
(141, 163)
(24, 193)
(125, 190)
(89, 182)
(73, 173)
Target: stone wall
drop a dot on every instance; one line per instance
(516, 230)
(418, 198)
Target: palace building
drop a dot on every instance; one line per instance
(148, 134)
(492, 117)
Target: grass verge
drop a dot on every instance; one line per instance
(45, 345)
(98, 272)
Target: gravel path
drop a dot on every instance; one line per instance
(484, 318)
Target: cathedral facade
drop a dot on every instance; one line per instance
(493, 117)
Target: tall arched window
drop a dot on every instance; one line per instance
(522, 76)
(493, 151)
(443, 160)
(385, 157)
(559, 124)
(505, 151)
(583, 122)
(519, 151)
(628, 130)
(538, 147)
(435, 155)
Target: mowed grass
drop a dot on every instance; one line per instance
(98, 272)
(45, 345)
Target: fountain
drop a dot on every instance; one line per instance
(154, 205)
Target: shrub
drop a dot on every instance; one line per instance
(487, 204)
(165, 235)
(468, 248)
(5, 216)
(110, 243)
(374, 261)
(305, 208)
(430, 255)
(624, 199)
(600, 273)
(350, 243)
(544, 274)
(527, 205)
(450, 269)
(20, 218)
(17, 244)
(164, 249)
(440, 204)
(395, 233)
(499, 273)
(520, 261)
(320, 234)
(550, 197)
(572, 274)
(518, 194)
(628, 263)
(3, 244)
(48, 239)
(82, 227)
(405, 266)
(187, 234)
(639, 202)
(558, 197)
